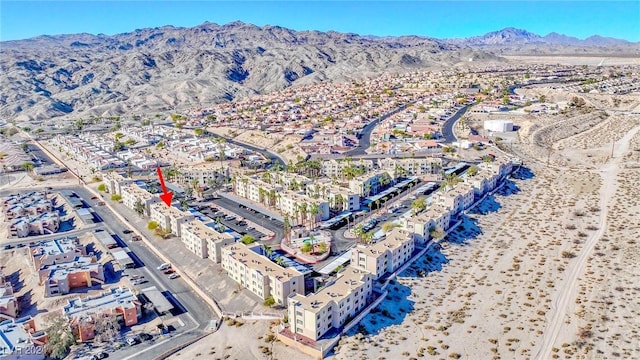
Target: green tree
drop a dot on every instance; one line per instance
(322, 247)
(28, 166)
(418, 205)
(280, 260)
(247, 239)
(116, 197)
(102, 187)
(473, 170)
(307, 247)
(118, 136)
(130, 142)
(118, 146)
(60, 336)
(138, 207)
(270, 301)
(388, 226)
(152, 225)
(198, 131)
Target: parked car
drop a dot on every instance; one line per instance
(139, 281)
(132, 340)
(164, 266)
(174, 276)
(21, 245)
(145, 337)
(100, 355)
(8, 246)
(168, 271)
(127, 231)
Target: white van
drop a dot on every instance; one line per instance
(164, 266)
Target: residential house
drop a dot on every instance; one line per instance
(61, 278)
(169, 217)
(430, 167)
(8, 302)
(132, 194)
(371, 184)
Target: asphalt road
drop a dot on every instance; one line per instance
(447, 128)
(275, 158)
(274, 225)
(365, 138)
(197, 315)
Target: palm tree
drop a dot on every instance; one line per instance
(388, 226)
(418, 205)
(368, 237)
(281, 261)
(266, 250)
(359, 231)
(303, 212)
(287, 227)
(220, 141)
(314, 211)
(138, 207)
(339, 202)
(28, 166)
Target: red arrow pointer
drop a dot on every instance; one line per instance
(166, 196)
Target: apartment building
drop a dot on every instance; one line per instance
(371, 184)
(60, 250)
(334, 168)
(436, 217)
(386, 255)
(132, 193)
(314, 315)
(119, 302)
(482, 182)
(61, 278)
(204, 241)
(293, 204)
(260, 275)
(19, 337)
(431, 166)
(42, 224)
(203, 173)
(8, 302)
(339, 198)
(459, 198)
(501, 166)
(277, 196)
(169, 217)
(115, 182)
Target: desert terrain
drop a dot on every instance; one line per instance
(529, 272)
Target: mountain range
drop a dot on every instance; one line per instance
(170, 68)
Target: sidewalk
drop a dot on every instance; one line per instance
(208, 276)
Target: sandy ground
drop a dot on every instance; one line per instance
(529, 273)
(576, 60)
(239, 341)
(284, 145)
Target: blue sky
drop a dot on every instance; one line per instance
(440, 19)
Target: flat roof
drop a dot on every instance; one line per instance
(159, 301)
(110, 299)
(121, 256)
(337, 262)
(105, 238)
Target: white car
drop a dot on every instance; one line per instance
(174, 276)
(164, 266)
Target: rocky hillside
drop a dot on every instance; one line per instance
(169, 68)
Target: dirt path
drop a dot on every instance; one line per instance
(609, 174)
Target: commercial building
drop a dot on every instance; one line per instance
(119, 302)
(314, 315)
(260, 275)
(498, 125)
